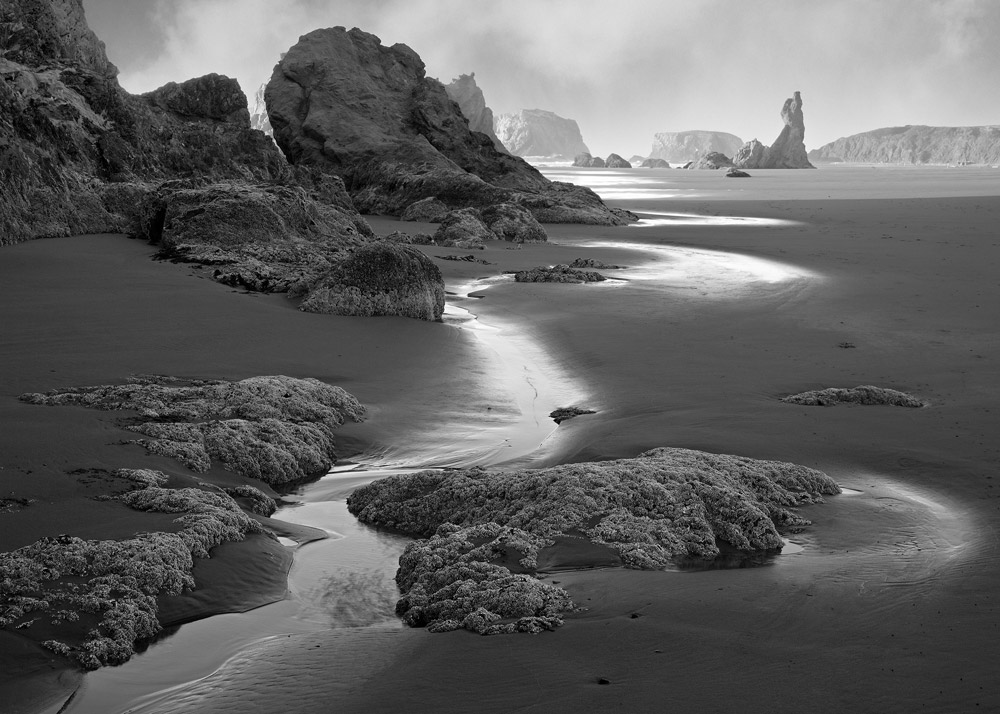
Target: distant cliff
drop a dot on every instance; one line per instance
(683, 146)
(536, 132)
(258, 112)
(466, 93)
(916, 145)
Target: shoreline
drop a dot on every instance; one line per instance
(727, 402)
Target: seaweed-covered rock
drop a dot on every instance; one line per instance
(557, 274)
(666, 505)
(382, 278)
(514, 223)
(865, 394)
(99, 596)
(276, 429)
(463, 228)
(407, 140)
(428, 210)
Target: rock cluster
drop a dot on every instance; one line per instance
(469, 227)
(557, 274)
(655, 164)
(666, 506)
(683, 146)
(536, 132)
(341, 101)
(466, 93)
(787, 152)
(957, 145)
(614, 161)
(864, 394)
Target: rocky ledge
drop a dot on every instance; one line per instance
(489, 533)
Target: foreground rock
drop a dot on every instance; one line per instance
(407, 140)
(557, 274)
(683, 146)
(536, 132)
(276, 429)
(957, 145)
(865, 394)
(665, 507)
(788, 151)
(466, 93)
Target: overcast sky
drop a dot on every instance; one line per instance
(624, 69)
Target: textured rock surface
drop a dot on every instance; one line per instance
(382, 278)
(583, 159)
(276, 428)
(916, 145)
(655, 164)
(736, 173)
(557, 274)
(466, 93)
(664, 507)
(536, 132)
(428, 210)
(865, 394)
(683, 146)
(341, 101)
(614, 161)
(513, 223)
(751, 155)
(712, 160)
(789, 150)
(463, 228)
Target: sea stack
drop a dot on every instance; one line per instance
(787, 152)
(466, 93)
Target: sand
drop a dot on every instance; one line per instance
(890, 606)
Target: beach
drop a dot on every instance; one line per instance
(736, 293)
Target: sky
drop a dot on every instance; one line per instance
(625, 69)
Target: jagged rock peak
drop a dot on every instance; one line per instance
(537, 132)
(39, 31)
(789, 150)
(464, 91)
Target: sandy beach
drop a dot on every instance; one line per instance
(736, 294)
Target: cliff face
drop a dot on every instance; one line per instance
(916, 145)
(536, 132)
(466, 93)
(683, 146)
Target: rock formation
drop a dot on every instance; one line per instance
(466, 93)
(736, 173)
(683, 146)
(864, 394)
(341, 101)
(536, 132)
(789, 150)
(711, 160)
(560, 273)
(751, 155)
(916, 145)
(655, 164)
(258, 112)
(427, 210)
(614, 161)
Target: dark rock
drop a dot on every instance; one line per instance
(463, 228)
(563, 413)
(557, 274)
(736, 173)
(405, 140)
(210, 97)
(597, 162)
(713, 160)
(466, 93)
(380, 279)
(614, 161)
(591, 263)
(426, 210)
(655, 164)
(536, 132)
(865, 394)
(514, 223)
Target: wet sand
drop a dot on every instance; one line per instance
(891, 604)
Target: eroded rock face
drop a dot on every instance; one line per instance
(916, 145)
(682, 146)
(536, 132)
(53, 30)
(751, 155)
(342, 101)
(466, 93)
(789, 150)
(380, 279)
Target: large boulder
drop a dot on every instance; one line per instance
(514, 223)
(342, 101)
(789, 150)
(614, 161)
(381, 278)
(683, 146)
(537, 132)
(466, 93)
(463, 228)
(712, 160)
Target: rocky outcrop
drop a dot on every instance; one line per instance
(789, 150)
(583, 159)
(341, 101)
(463, 228)
(736, 173)
(466, 93)
(258, 112)
(536, 132)
(683, 146)
(427, 210)
(614, 161)
(751, 155)
(514, 223)
(957, 145)
(655, 164)
(382, 278)
(560, 273)
(712, 160)
(665, 507)
(865, 394)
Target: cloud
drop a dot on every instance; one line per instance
(627, 69)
